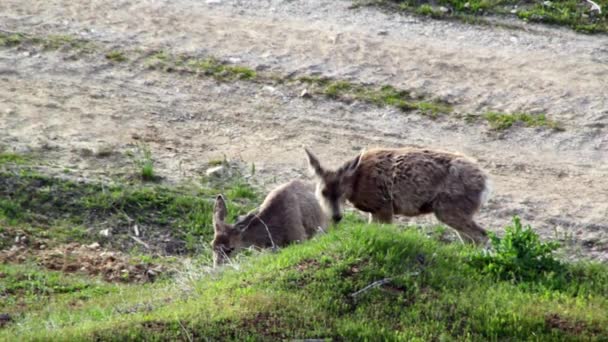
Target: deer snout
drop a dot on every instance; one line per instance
(337, 218)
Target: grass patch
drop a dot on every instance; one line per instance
(12, 158)
(319, 289)
(116, 56)
(577, 15)
(377, 95)
(11, 39)
(502, 121)
(176, 219)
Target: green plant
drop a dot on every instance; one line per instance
(519, 255)
(116, 56)
(146, 164)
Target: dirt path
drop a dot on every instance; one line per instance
(555, 181)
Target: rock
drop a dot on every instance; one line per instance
(94, 245)
(217, 171)
(5, 319)
(106, 232)
(443, 9)
(383, 33)
(305, 94)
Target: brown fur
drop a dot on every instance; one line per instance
(289, 213)
(409, 182)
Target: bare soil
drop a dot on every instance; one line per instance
(68, 107)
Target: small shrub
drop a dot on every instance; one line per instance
(519, 255)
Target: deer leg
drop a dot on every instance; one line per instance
(465, 226)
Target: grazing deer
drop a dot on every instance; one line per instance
(406, 181)
(289, 213)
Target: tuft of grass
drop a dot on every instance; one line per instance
(11, 39)
(358, 282)
(216, 69)
(145, 164)
(571, 13)
(116, 56)
(502, 121)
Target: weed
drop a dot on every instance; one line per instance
(519, 255)
(116, 56)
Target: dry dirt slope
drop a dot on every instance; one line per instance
(555, 181)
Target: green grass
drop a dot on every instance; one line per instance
(12, 158)
(570, 13)
(145, 164)
(116, 56)
(59, 210)
(11, 39)
(378, 95)
(433, 292)
(502, 121)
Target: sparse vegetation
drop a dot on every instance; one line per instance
(49, 208)
(116, 56)
(501, 121)
(340, 90)
(578, 15)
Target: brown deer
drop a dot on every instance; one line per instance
(289, 213)
(409, 182)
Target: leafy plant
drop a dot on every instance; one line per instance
(519, 255)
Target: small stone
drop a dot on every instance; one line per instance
(383, 33)
(105, 232)
(305, 94)
(216, 171)
(547, 3)
(94, 245)
(467, 5)
(443, 9)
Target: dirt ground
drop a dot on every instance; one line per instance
(66, 107)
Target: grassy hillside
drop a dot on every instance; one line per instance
(431, 291)
(61, 280)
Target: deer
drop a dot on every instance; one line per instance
(406, 181)
(288, 214)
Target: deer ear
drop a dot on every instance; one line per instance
(219, 211)
(314, 164)
(350, 167)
